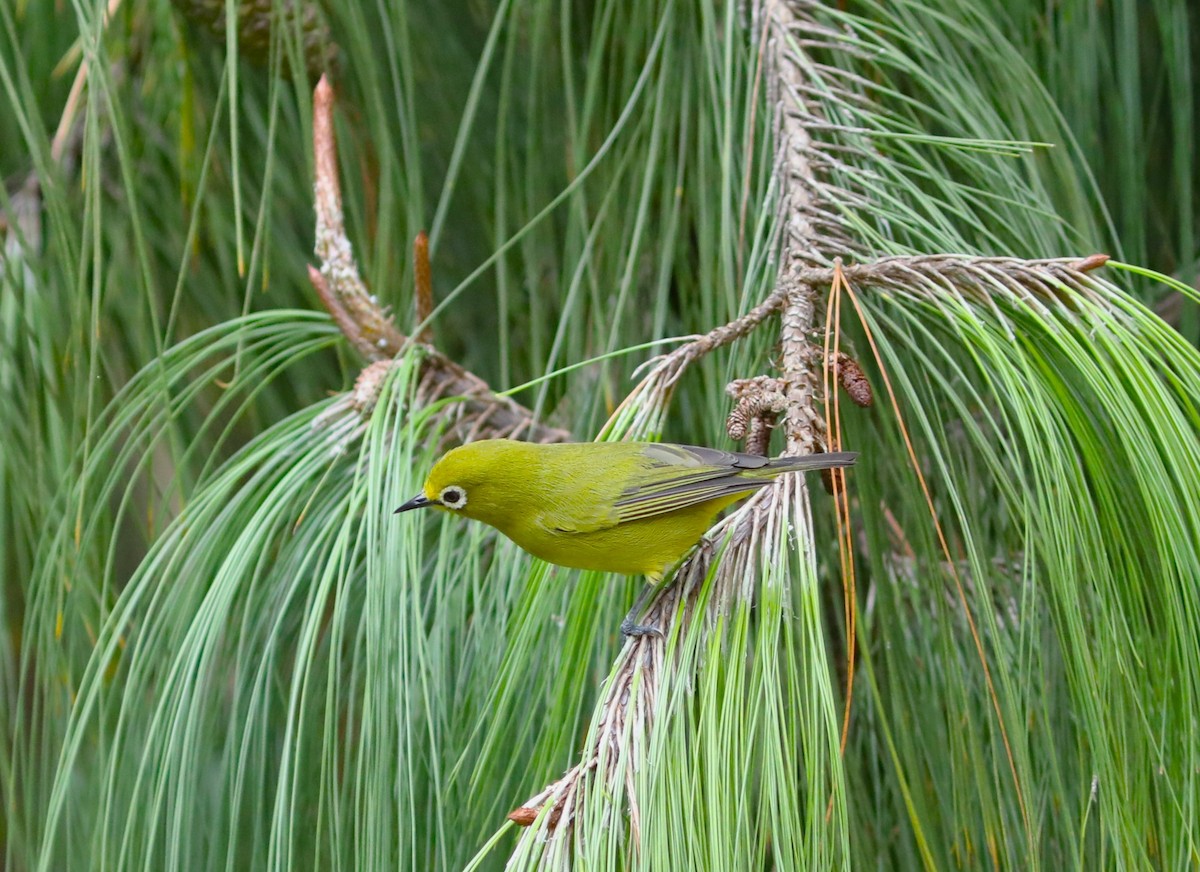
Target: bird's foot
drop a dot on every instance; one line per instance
(631, 629)
(630, 626)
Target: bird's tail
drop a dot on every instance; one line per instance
(805, 462)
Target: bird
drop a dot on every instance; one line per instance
(632, 508)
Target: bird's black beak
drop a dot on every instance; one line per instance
(420, 501)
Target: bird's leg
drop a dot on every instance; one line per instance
(630, 626)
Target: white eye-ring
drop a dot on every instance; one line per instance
(453, 497)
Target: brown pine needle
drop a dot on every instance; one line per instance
(962, 596)
(841, 496)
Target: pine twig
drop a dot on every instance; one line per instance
(372, 330)
(423, 287)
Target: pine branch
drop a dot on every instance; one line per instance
(751, 536)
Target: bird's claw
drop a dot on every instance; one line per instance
(631, 630)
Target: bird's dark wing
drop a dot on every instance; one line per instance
(675, 477)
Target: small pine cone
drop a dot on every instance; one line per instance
(854, 381)
(759, 440)
(737, 422)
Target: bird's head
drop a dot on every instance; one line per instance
(476, 480)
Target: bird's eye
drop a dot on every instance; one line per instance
(453, 497)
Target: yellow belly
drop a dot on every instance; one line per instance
(644, 547)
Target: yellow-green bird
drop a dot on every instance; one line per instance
(626, 507)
